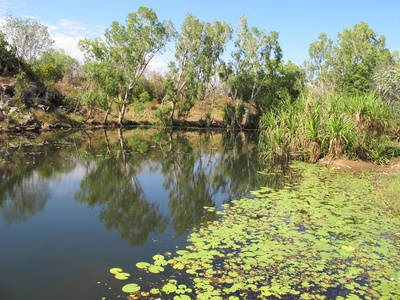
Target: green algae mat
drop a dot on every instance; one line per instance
(326, 236)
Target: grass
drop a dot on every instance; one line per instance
(309, 128)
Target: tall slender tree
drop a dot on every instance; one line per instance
(198, 49)
(256, 57)
(129, 49)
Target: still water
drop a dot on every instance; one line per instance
(75, 204)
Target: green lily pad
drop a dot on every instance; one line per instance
(169, 288)
(122, 276)
(131, 288)
(143, 265)
(156, 269)
(115, 270)
(158, 257)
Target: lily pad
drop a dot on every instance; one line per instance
(115, 270)
(169, 288)
(131, 288)
(158, 257)
(156, 269)
(122, 276)
(143, 265)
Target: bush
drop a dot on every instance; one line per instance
(352, 126)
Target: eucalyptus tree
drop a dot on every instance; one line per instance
(198, 49)
(349, 64)
(356, 55)
(318, 65)
(28, 37)
(128, 49)
(256, 58)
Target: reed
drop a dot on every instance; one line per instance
(351, 126)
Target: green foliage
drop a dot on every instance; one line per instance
(354, 126)
(116, 64)
(198, 50)
(349, 65)
(21, 87)
(255, 59)
(323, 236)
(8, 61)
(53, 65)
(386, 81)
(89, 97)
(233, 116)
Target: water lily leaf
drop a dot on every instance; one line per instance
(156, 269)
(131, 288)
(182, 297)
(169, 288)
(122, 276)
(179, 266)
(160, 262)
(143, 265)
(182, 252)
(115, 270)
(158, 257)
(154, 291)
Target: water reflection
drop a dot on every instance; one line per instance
(24, 184)
(197, 169)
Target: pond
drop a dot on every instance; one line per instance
(162, 214)
(75, 204)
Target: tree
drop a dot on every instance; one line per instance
(128, 49)
(350, 64)
(356, 55)
(198, 50)
(8, 60)
(287, 81)
(319, 52)
(29, 38)
(256, 57)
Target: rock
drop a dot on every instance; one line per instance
(14, 110)
(6, 101)
(46, 126)
(27, 120)
(8, 89)
(61, 125)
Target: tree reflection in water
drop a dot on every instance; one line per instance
(197, 169)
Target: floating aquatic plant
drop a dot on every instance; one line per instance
(310, 240)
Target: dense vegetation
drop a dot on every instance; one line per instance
(342, 101)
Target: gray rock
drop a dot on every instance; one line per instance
(14, 110)
(6, 101)
(8, 89)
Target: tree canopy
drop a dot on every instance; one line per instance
(28, 37)
(127, 50)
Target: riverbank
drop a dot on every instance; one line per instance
(37, 119)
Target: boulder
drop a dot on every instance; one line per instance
(8, 89)
(60, 125)
(6, 101)
(27, 120)
(46, 126)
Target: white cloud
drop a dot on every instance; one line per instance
(73, 28)
(66, 36)
(69, 44)
(160, 63)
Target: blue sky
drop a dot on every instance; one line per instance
(298, 22)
